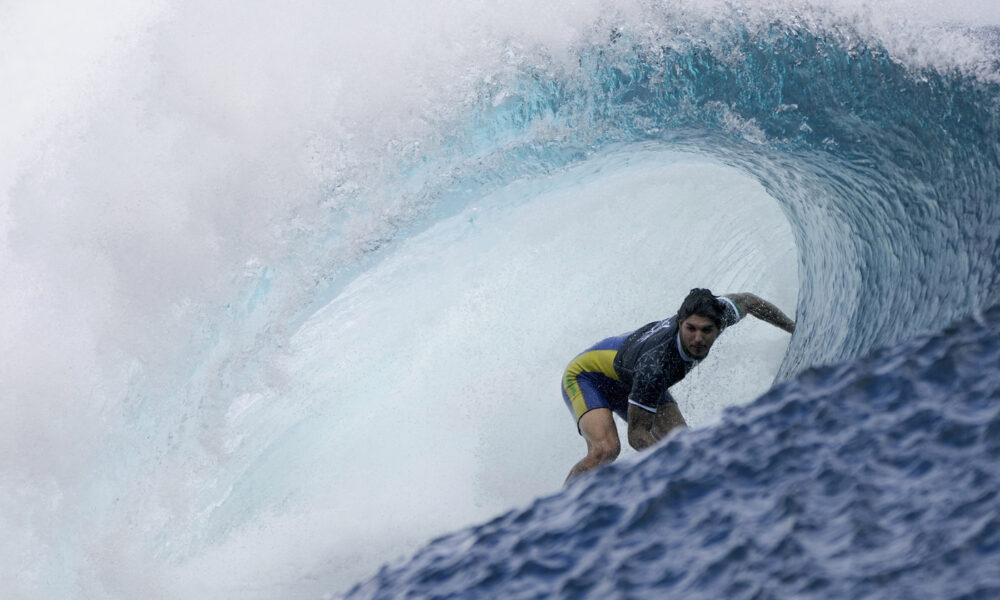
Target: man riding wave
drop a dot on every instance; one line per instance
(630, 374)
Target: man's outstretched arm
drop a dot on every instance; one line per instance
(763, 310)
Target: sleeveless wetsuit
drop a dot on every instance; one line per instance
(634, 368)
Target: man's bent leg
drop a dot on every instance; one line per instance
(597, 427)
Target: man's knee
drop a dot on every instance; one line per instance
(605, 450)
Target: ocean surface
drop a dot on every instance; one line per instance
(290, 288)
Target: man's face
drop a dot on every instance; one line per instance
(698, 333)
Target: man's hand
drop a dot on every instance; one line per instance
(646, 428)
(640, 427)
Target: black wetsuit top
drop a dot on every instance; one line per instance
(651, 359)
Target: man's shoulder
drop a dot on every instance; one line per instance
(656, 332)
(733, 311)
(648, 343)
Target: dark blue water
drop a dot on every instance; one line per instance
(875, 477)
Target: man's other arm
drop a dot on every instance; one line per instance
(763, 310)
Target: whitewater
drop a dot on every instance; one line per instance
(289, 290)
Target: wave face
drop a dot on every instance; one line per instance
(269, 259)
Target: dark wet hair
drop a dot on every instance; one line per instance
(703, 303)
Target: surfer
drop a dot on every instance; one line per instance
(630, 375)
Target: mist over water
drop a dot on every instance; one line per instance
(289, 288)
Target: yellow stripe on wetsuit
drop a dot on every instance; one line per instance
(592, 361)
